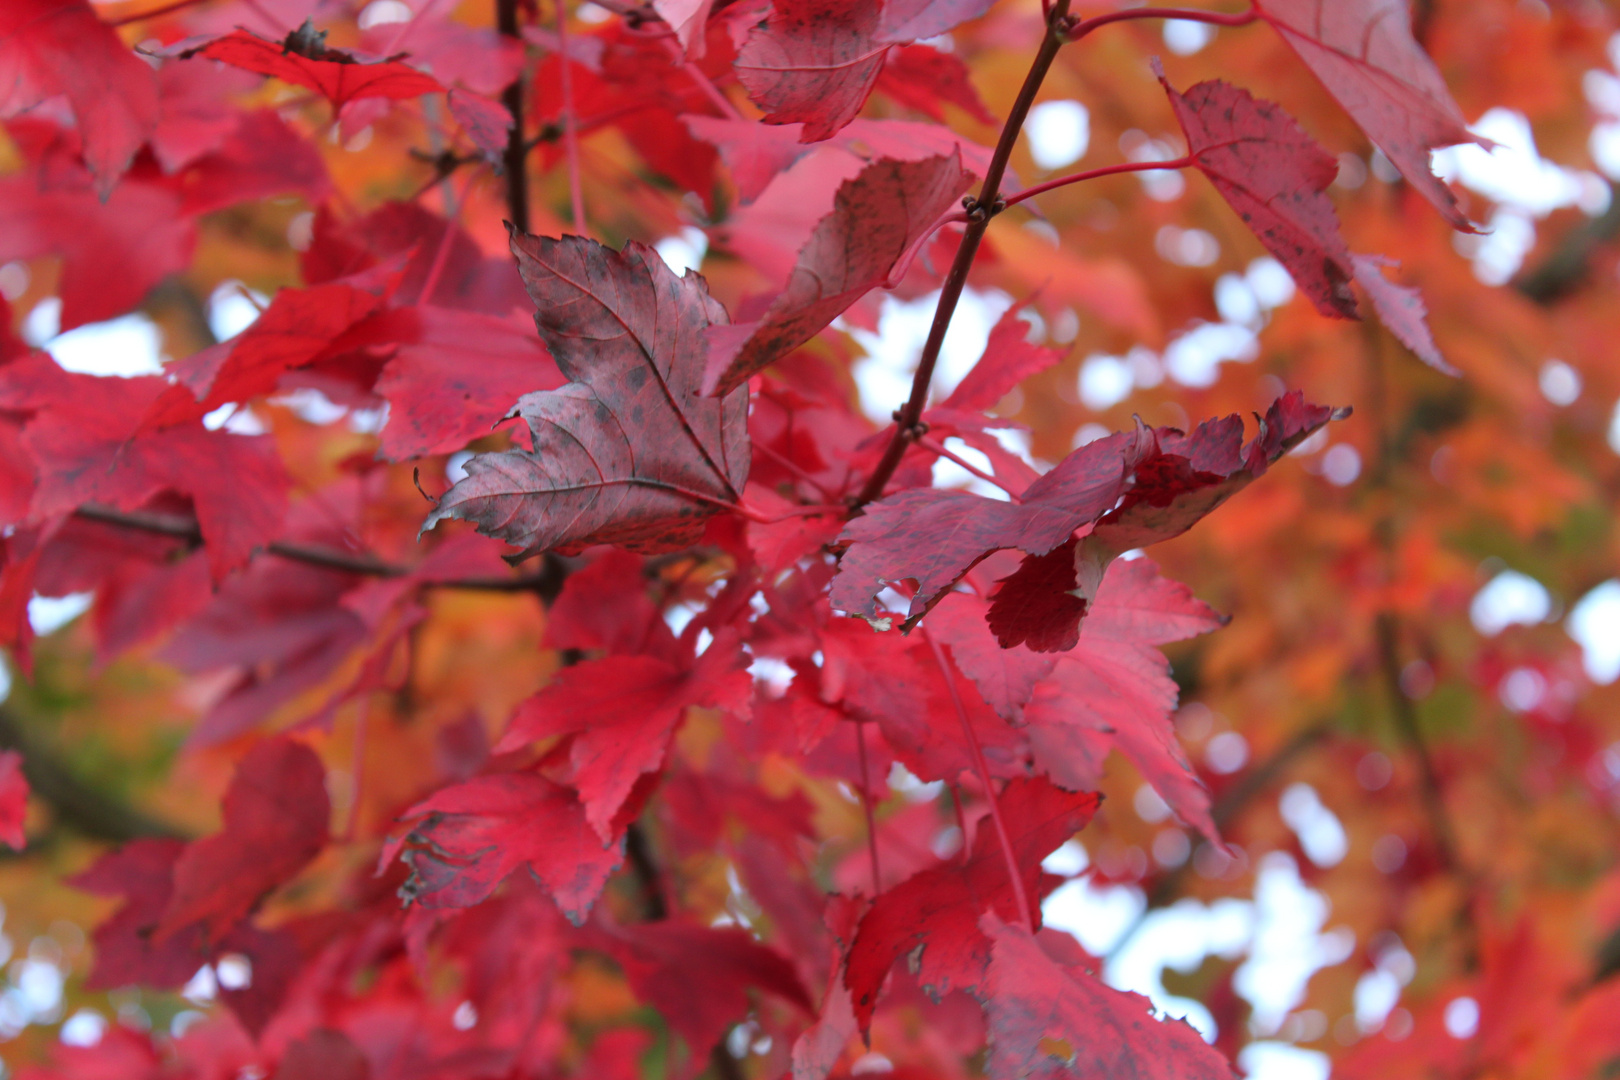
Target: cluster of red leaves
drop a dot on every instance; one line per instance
(656, 422)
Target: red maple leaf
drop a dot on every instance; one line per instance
(1276, 177)
(1363, 52)
(621, 712)
(276, 813)
(51, 47)
(1050, 1018)
(813, 62)
(304, 60)
(699, 977)
(935, 914)
(1008, 359)
(471, 836)
(83, 438)
(13, 800)
(876, 220)
(628, 452)
(914, 20)
(923, 78)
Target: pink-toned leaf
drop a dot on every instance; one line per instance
(689, 19)
(813, 62)
(486, 122)
(453, 376)
(935, 914)
(1402, 311)
(915, 20)
(471, 836)
(630, 337)
(1276, 177)
(1134, 489)
(1112, 690)
(276, 813)
(876, 219)
(1049, 1019)
(758, 153)
(13, 800)
(1364, 53)
(51, 47)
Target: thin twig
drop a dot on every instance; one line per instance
(939, 448)
(982, 767)
(576, 191)
(980, 211)
(866, 805)
(1081, 27)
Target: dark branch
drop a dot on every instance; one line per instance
(77, 805)
(545, 582)
(516, 158)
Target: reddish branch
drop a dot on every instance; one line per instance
(980, 210)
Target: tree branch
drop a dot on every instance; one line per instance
(77, 805)
(546, 582)
(516, 158)
(980, 211)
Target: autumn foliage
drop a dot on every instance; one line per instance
(508, 655)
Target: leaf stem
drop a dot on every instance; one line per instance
(938, 448)
(866, 805)
(980, 211)
(982, 767)
(516, 157)
(1081, 27)
(1093, 174)
(576, 192)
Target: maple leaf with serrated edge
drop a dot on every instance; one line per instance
(1048, 1018)
(934, 915)
(1008, 359)
(1132, 488)
(303, 60)
(276, 812)
(471, 836)
(923, 78)
(1402, 311)
(876, 220)
(1111, 688)
(1364, 53)
(628, 452)
(50, 47)
(621, 712)
(1276, 177)
(813, 62)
